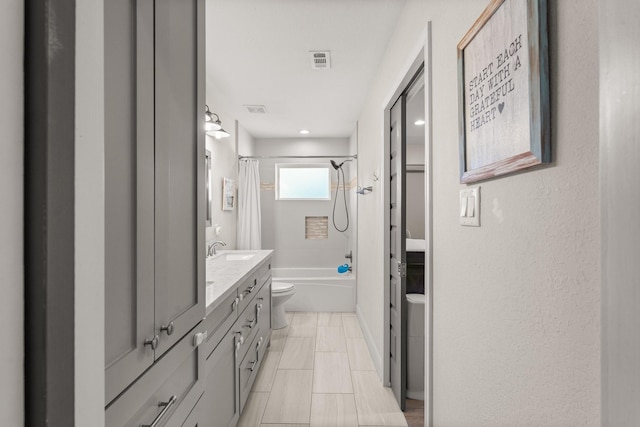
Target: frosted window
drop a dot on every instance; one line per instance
(302, 182)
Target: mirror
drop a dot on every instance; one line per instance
(207, 187)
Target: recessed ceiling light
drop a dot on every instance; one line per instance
(304, 131)
(419, 122)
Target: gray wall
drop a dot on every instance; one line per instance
(283, 221)
(516, 302)
(11, 214)
(620, 156)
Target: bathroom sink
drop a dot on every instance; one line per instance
(239, 256)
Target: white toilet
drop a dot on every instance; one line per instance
(280, 293)
(415, 346)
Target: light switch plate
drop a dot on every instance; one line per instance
(470, 207)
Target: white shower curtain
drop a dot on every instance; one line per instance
(249, 223)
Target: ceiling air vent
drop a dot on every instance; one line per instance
(256, 109)
(320, 60)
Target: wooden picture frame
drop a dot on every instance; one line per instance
(503, 91)
(228, 194)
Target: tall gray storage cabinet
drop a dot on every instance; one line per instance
(154, 219)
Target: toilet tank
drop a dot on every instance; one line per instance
(415, 315)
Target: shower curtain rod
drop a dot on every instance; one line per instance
(353, 156)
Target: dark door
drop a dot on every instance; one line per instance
(397, 269)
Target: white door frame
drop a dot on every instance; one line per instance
(423, 57)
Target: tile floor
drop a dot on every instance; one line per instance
(318, 373)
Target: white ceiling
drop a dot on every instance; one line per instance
(258, 54)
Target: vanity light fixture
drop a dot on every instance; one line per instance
(213, 127)
(209, 123)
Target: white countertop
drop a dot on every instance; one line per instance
(227, 269)
(416, 245)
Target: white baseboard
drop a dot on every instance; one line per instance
(376, 357)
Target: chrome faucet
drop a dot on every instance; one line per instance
(211, 249)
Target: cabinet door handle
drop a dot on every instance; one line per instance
(235, 304)
(199, 338)
(153, 342)
(165, 407)
(253, 365)
(239, 341)
(259, 343)
(258, 308)
(240, 338)
(168, 328)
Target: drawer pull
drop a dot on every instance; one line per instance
(249, 290)
(153, 342)
(259, 343)
(168, 328)
(253, 365)
(165, 407)
(235, 304)
(258, 308)
(251, 324)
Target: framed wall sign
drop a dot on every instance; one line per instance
(503, 90)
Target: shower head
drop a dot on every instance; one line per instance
(338, 166)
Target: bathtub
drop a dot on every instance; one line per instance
(318, 289)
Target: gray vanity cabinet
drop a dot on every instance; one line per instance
(154, 184)
(168, 392)
(222, 405)
(179, 169)
(195, 418)
(129, 200)
(239, 330)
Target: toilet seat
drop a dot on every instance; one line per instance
(279, 287)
